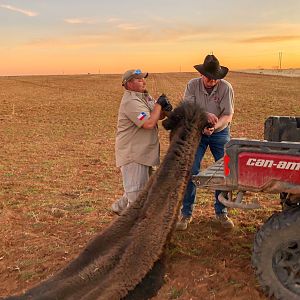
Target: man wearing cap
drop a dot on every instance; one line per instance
(137, 143)
(216, 97)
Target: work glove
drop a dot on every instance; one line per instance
(164, 102)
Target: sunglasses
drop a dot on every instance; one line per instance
(137, 72)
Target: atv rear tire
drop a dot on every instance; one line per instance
(276, 255)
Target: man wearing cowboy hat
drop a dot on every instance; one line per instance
(216, 97)
(137, 144)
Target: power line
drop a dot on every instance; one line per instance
(280, 60)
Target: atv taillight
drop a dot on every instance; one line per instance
(226, 165)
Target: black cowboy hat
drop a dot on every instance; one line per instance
(211, 68)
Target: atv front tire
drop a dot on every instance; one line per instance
(276, 255)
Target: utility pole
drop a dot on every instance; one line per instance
(280, 60)
(180, 68)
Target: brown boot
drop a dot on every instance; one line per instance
(225, 221)
(119, 205)
(183, 222)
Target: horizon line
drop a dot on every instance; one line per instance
(113, 73)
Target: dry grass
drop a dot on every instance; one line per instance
(58, 179)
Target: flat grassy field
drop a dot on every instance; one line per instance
(58, 180)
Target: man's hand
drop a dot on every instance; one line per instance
(212, 119)
(164, 102)
(208, 130)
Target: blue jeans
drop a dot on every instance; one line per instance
(216, 143)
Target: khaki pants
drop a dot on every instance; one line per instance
(135, 176)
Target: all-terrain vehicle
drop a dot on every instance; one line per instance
(271, 166)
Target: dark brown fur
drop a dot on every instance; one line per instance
(127, 257)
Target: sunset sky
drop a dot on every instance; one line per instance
(93, 36)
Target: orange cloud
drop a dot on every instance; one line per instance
(80, 21)
(127, 33)
(22, 11)
(128, 26)
(271, 39)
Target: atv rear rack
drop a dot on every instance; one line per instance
(214, 178)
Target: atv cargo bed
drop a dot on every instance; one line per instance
(212, 177)
(253, 165)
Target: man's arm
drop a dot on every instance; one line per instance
(151, 122)
(223, 120)
(162, 115)
(212, 118)
(161, 108)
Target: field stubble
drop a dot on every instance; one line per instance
(58, 179)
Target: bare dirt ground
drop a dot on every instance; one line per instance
(58, 179)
